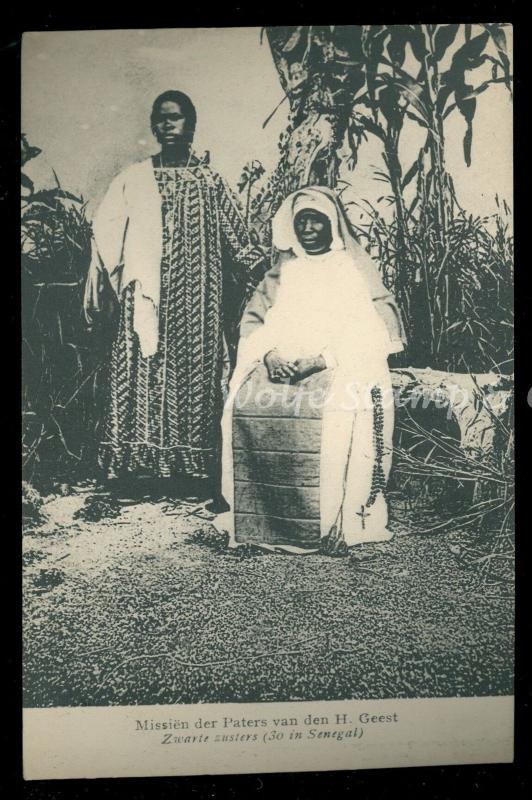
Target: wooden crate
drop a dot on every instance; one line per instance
(276, 452)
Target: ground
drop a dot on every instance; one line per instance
(150, 608)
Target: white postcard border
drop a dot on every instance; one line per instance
(140, 741)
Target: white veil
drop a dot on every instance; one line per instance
(283, 232)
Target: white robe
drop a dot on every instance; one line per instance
(323, 307)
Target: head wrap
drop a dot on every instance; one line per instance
(323, 199)
(317, 198)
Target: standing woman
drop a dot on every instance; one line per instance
(162, 233)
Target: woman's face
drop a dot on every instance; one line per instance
(169, 124)
(313, 230)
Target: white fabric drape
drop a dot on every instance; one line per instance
(127, 242)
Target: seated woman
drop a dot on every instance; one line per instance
(308, 423)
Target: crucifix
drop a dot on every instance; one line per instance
(363, 514)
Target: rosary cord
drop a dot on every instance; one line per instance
(378, 481)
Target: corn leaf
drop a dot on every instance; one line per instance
(445, 36)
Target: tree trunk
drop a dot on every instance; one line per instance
(318, 76)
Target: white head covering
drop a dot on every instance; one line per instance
(284, 236)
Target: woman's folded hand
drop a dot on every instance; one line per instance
(308, 366)
(278, 367)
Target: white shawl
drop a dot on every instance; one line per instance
(323, 307)
(127, 243)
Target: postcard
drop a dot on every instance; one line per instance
(268, 437)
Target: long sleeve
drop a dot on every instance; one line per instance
(263, 297)
(234, 232)
(383, 299)
(260, 302)
(389, 313)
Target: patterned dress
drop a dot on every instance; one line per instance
(163, 412)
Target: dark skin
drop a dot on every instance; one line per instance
(313, 231)
(171, 131)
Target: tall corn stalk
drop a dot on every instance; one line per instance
(426, 276)
(345, 83)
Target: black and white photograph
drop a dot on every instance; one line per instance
(268, 386)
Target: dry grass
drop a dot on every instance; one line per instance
(457, 299)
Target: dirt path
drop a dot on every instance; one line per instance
(148, 608)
